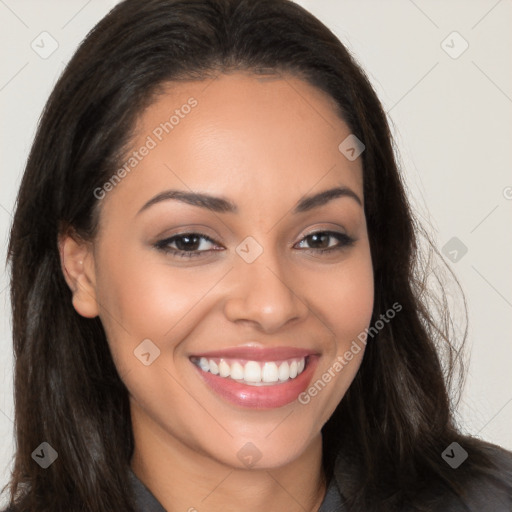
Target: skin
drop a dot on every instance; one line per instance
(262, 144)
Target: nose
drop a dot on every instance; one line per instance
(264, 295)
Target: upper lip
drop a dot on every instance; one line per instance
(258, 354)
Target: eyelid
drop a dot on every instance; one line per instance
(332, 228)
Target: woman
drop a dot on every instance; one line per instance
(215, 303)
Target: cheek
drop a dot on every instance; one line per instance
(141, 299)
(345, 298)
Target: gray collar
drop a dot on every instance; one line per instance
(146, 502)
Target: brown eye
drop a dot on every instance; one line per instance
(187, 245)
(320, 241)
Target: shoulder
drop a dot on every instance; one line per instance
(481, 483)
(490, 488)
(500, 458)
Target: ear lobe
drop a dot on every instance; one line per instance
(77, 264)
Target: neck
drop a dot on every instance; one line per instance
(181, 478)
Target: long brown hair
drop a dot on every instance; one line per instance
(394, 421)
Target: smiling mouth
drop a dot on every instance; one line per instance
(253, 373)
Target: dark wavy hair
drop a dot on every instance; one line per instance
(396, 418)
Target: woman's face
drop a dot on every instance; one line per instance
(236, 283)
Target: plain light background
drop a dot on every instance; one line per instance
(451, 112)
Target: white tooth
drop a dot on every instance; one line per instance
(269, 373)
(214, 368)
(237, 371)
(252, 372)
(203, 364)
(284, 371)
(224, 369)
(293, 369)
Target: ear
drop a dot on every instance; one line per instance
(77, 264)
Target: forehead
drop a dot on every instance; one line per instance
(271, 139)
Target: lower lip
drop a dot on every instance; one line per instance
(260, 397)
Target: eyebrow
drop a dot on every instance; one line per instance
(222, 205)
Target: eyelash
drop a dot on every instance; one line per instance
(163, 245)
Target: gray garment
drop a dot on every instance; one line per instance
(144, 499)
(146, 502)
(483, 494)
